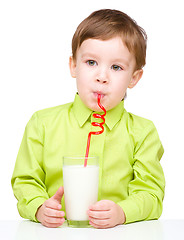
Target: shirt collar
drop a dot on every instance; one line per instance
(82, 113)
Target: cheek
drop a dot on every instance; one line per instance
(81, 73)
(84, 79)
(120, 85)
(120, 94)
(82, 83)
(119, 91)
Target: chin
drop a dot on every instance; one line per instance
(95, 108)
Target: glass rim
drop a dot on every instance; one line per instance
(80, 160)
(79, 157)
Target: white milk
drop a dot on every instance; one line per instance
(80, 190)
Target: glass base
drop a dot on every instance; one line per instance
(78, 224)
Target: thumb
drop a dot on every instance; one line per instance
(58, 195)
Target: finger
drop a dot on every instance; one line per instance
(101, 206)
(98, 225)
(53, 213)
(54, 220)
(50, 225)
(99, 214)
(58, 195)
(53, 225)
(100, 222)
(52, 204)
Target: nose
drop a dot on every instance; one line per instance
(102, 77)
(101, 81)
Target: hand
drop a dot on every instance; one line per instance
(105, 214)
(49, 213)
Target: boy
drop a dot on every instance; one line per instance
(109, 51)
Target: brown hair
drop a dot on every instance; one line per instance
(105, 24)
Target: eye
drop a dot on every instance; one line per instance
(116, 68)
(91, 63)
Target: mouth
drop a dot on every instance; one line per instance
(98, 93)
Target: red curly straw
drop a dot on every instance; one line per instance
(95, 124)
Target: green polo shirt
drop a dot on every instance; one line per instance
(129, 152)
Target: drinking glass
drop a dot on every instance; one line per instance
(80, 188)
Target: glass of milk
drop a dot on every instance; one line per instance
(80, 188)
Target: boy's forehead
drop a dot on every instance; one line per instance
(111, 48)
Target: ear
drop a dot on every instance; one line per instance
(72, 66)
(135, 78)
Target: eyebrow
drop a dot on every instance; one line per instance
(87, 54)
(121, 60)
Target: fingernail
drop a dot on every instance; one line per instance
(59, 206)
(62, 214)
(62, 220)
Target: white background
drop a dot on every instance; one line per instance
(35, 44)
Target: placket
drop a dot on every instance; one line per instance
(97, 149)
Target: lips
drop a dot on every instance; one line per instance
(96, 93)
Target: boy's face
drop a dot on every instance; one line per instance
(106, 68)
